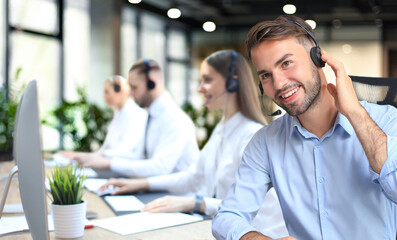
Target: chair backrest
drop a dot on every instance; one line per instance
(376, 89)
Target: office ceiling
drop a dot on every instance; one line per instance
(245, 13)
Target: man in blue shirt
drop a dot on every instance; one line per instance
(332, 159)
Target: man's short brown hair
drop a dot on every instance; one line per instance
(280, 28)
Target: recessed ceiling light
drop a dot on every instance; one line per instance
(174, 13)
(289, 9)
(209, 26)
(312, 23)
(134, 1)
(347, 48)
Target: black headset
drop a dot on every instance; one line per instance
(150, 84)
(315, 52)
(116, 84)
(232, 80)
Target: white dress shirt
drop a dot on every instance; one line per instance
(125, 132)
(215, 172)
(171, 143)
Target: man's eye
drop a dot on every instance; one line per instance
(265, 76)
(286, 63)
(207, 80)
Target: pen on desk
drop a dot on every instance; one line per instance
(88, 226)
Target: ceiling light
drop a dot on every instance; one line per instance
(347, 48)
(289, 9)
(174, 13)
(311, 23)
(209, 26)
(134, 1)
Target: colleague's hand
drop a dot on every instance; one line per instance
(170, 204)
(126, 185)
(71, 155)
(343, 93)
(93, 160)
(259, 236)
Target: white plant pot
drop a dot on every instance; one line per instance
(69, 220)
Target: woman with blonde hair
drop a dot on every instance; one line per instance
(227, 84)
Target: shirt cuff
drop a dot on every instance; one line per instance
(118, 165)
(387, 177)
(239, 234)
(211, 205)
(157, 184)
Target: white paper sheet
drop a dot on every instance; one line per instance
(140, 222)
(19, 224)
(124, 203)
(13, 208)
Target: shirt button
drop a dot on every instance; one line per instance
(320, 179)
(324, 213)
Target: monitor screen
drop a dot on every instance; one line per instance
(28, 157)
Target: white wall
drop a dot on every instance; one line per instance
(363, 58)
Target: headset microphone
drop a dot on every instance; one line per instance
(215, 98)
(276, 113)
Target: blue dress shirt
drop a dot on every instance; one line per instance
(326, 187)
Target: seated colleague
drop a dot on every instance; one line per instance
(227, 85)
(170, 143)
(332, 159)
(126, 129)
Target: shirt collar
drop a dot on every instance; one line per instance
(160, 104)
(231, 124)
(340, 120)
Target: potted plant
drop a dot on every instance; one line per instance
(9, 99)
(67, 207)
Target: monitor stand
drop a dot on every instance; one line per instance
(13, 171)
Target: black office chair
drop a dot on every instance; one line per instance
(376, 89)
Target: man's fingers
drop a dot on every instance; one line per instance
(336, 66)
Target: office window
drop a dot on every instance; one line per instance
(177, 81)
(36, 15)
(153, 38)
(128, 39)
(178, 55)
(76, 47)
(37, 57)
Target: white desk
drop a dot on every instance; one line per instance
(197, 231)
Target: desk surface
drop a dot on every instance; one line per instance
(200, 230)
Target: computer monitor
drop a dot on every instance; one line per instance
(30, 165)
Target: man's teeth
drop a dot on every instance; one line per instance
(289, 93)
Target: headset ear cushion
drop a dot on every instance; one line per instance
(315, 54)
(232, 84)
(150, 84)
(117, 87)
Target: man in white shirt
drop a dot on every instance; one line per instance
(170, 142)
(125, 131)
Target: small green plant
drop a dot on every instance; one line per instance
(8, 109)
(81, 122)
(66, 185)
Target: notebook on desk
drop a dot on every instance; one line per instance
(126, 204)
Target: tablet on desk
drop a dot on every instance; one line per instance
(123, 204)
